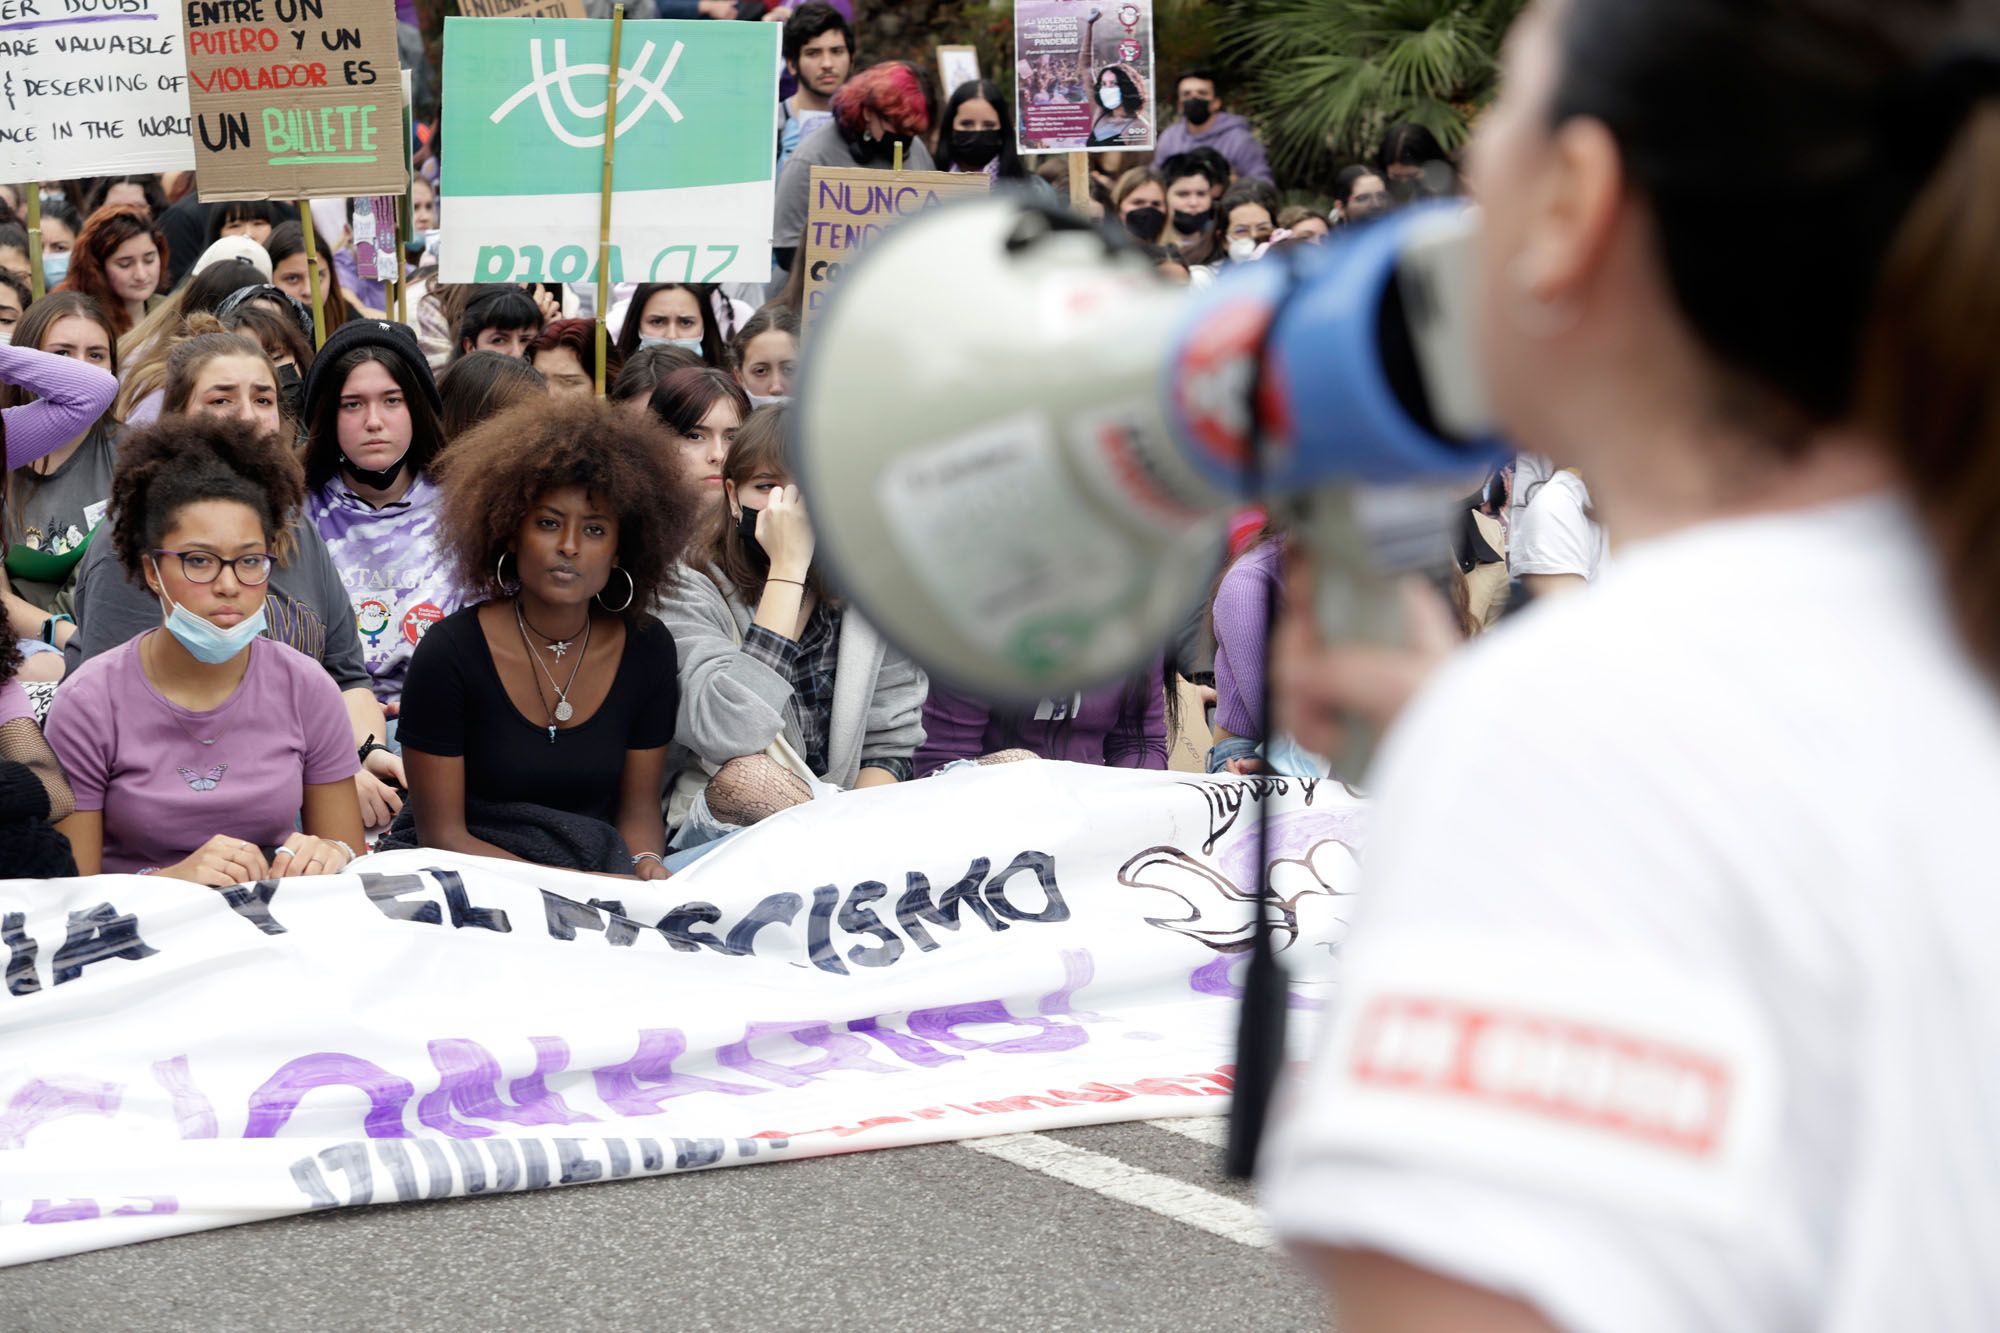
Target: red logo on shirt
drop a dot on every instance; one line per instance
(1629, 1085)
(418, 619)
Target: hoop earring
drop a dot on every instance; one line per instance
(1532, 316)
(500, 577)
(631, 591)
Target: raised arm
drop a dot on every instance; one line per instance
(69, 396)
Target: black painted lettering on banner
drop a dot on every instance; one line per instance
(857, 918)
(252, 902)
(21, 979)
(915, 906)
(95, 935)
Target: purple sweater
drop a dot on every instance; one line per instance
(1118, 726)
(70, 396)
(1228, 134)
(1239, 642)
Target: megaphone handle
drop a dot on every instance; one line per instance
(1351, 602)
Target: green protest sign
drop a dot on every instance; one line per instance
(692, 176)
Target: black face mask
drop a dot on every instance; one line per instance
(1403, 189)
(291, 389)
(746, 528)
(377, 481)
(868, 148)
(973, 149)
(1197, 110)
(1146, 223)
(1193, 224)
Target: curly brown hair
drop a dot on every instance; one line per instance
(108, 229)
(183, 460)
(493, 474)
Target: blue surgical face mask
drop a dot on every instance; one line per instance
(692, 344)
(55, 267)
(209, 642)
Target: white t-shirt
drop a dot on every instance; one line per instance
(1720, 1049)
(1555, 533)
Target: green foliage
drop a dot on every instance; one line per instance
(1326, 77)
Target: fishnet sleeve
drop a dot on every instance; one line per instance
(21, 743)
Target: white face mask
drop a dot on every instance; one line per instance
(6, 337)
(1112, 97)
(766, 399)
(1242, 248)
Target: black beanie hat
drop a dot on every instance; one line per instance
(395, 339)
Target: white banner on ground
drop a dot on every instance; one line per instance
(991, 951)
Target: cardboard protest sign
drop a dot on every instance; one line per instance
(850, 206)
(1083, 75)
(295, 99)
(692, 186)
(992, 951)
(522, 9)
(91, 88)
(957, 65)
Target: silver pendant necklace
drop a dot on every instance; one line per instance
(556, 646)
(174, 713)
(562, 712)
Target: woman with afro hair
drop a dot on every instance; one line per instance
(199, 749)
(536, 721)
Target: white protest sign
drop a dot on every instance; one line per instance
(990, 951)
(92, 88)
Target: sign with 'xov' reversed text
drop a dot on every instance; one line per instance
(691, 184)
(295, 99)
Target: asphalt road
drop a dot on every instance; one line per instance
(935, 1237)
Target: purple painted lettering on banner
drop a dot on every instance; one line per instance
(905, 1046)
(272, 1105)
(192, 1111)
(40, 1100)
(638, 1086)
(1079, 969)
(154, 1205)
(1213, 978)
(939, 1025)
(838, 1050)
(468, 1079)
(44, 1211)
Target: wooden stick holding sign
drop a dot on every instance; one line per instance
(1079, 183)
(604, 204)
(35, 280)
(312, 273)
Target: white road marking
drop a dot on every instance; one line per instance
(1176, 1199)
(1210, 1129)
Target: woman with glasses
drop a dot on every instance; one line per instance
(200, 749)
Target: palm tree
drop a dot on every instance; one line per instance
(1326, 77)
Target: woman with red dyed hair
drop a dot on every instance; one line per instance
(874, 112)
(120, 259)
(565, 352)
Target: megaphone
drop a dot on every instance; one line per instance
(1021, 448)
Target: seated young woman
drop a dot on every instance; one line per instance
(768, 656)
(198, 750)
(228, 375)
(372, 413)
(60, 448)
(536, 721)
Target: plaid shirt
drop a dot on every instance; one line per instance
(808, 664)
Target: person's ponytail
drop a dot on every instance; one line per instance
(1929, 373)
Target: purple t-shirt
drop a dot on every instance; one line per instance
(140, 759)
(14, 703)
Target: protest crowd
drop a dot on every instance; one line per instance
(420, 587)
(283, 584)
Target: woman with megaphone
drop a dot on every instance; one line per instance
(1711, 1048)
